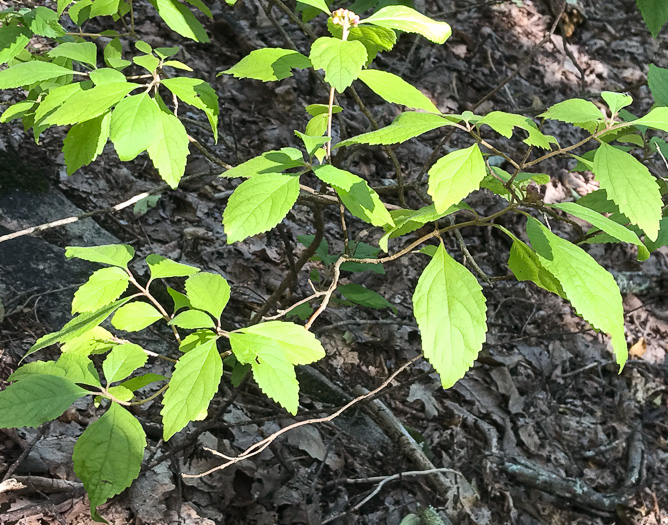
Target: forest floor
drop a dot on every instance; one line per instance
(543, 429)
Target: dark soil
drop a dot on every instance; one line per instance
(543, 413)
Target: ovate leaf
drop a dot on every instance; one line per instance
(108, 455)
(396, 90)
(657, 79)
(104, 8)
(122, 361)
(356, 195)
(504, 123)
(27, 73)
(89, 103)
(341, 60)
(272, 370)
(258, 204)
(300, 346)
(169, 149)
(275, 161)
(451, 313)
(318, 4)
(192, 319)
(655, 14)
(631, 186)
(161, 267)
(576, 111)
(192, 386)
(36, 399)
(85, 141)
(84, 52)
(135, 316)
(616, 101)
(374, 39)
(103, 287)
(358, 294)
(657, 119)
(591, 290)
(406, 19)
(134, 125)
(198, 94)
(77, 327)
(180, 19)
(113, 254)
(268, 64)
(13, 40)
(605, 224)
(456, 175)
(406, 126)
(209, 292)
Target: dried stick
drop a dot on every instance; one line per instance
(259, 447)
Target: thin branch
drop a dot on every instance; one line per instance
(260, 446)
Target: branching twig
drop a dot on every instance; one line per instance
(259, 447)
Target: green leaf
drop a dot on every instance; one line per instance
(605, 224)
(358, 294)
(275, 161)
(113, 55)
(62, 5)
(591, 290)
(655, 14)
(451, 313)
(662, 239)
(192, 319)
(196, 339)
(504, 123)
(43, 22)
(169, 149)
(17, 110)
(318, 4)
(55, 98)
(97, 340)
(258, 204)
(122, 361)
(89, 103)
(103, 287)
(85, 141)
(312, 144)
(27, 73)
(209, 292)
(406, 126)
(657, 119)
(76, 327)
(192, 386)
(317, 126)
(196, 93)
(201, 6)
(322, 109)
(104, 8)
(36, 399)
(657, 79)
(108, 455)
(300, 346)
(576, 111)
(139, 382)
(113, 254)
(374, 39)
(135, 316)
(356, 195)
(134, 125)
(268, 64)
(13, 40)
(456, 175)
(616, 101)
(84, 52)
(341, 60)
(162, 268)
(406, 221)
(148, 62)
(180, 19)
(80, 12)
(76, 368)
(180, 300)
(177, 64)
(396, 90)
(406, 19)
(272, 370)
(631, 186)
